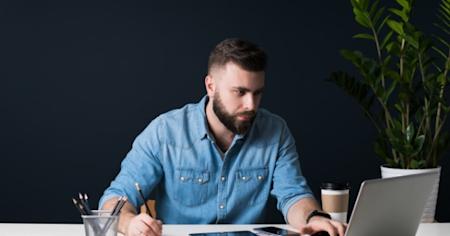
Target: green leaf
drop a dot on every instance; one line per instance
(444, 29)
(442, 40)
(396, 26)
(373, 8)
(388, 92)
(445, 19)
(354, 88)
(354, 56)
(418, 142)
(404, 4)
(398, 107)
(440, 52)
(441, 79)
(380, 150)
(386, 39)
(409, 132)
(404, 97)
(387, 60)
(412, 41)
(414, 164)
(364, 4)
(393, 74)
(399, 13)
(380, 27)
(364, 36)
(392, 163)
(377, 16)
(362, 18)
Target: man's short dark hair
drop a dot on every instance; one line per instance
(245, 54)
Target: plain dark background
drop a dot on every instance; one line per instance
(79, 81)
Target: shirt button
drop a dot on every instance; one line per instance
(221, 206)
(200, 180)
(222, 178)
(182, 178)
(260, 177)
(244, 178)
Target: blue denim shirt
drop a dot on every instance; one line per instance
(176, 162)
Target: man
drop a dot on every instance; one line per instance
(218, 161)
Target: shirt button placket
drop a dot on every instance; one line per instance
(221, 210)
(221, 198)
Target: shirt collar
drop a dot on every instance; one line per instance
(203, 126)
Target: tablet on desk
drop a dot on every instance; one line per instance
(232, 233)
(276, 231)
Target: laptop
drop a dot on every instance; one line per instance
(391, 206)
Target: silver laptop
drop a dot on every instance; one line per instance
(391, 206)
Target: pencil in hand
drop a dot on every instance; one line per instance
(138, 188)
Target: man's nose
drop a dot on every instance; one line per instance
(250, 103)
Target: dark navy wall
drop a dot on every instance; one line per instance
(78, 81)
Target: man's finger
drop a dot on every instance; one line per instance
(340, 227)
(323, 225)
(156, 227)
(144, 229)
(332, 231)
(306, 230)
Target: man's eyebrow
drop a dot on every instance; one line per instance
(248, 90)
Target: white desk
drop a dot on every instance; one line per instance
(436, 229)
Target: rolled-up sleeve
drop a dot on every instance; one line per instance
(289, 185)
(141, 165)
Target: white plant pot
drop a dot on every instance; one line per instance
(430, 207)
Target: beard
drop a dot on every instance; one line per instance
(230, 121)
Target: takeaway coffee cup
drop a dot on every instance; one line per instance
(335, 200)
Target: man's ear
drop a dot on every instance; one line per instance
(210, 85)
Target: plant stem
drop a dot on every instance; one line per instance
(422, 74)
(387, 114)
(438, 125)
(441, 93)
(402, 48)
(380, 59)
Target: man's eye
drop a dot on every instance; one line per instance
(239, 92)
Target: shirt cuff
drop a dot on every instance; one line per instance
(291, 202)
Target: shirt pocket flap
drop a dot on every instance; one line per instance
(184, 175)
(195, 176)
(258, 174)
(201, 177)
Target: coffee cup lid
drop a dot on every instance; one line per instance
(335, 185)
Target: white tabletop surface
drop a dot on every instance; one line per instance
(16, 229)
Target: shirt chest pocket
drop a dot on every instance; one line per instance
(191, 186)
(252, 184)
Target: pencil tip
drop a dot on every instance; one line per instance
(137, 186)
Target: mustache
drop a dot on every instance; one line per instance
(247, 113)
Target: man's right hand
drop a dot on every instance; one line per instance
(144, 225)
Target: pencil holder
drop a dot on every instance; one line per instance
(100, 223)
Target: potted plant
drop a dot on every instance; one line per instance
(402, 88)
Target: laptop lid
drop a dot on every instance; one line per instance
(391, 206)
